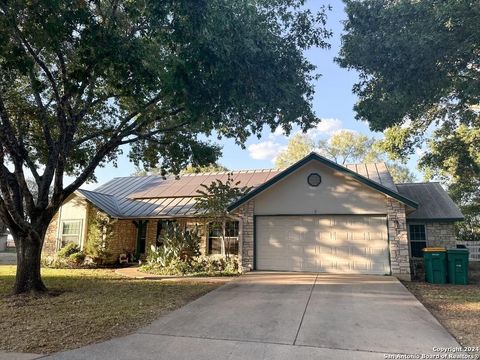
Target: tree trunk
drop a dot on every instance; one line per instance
(225, 245)
(28, 277)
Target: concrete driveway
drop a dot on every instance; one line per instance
(286, 316)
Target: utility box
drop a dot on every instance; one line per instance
(435, 260)
(457, 266)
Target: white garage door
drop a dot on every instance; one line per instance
(336, 244)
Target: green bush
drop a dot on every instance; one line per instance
(177, 245)
(199, 266)
(99, 235)
(179, 255)
(68, 250)
(70, 256)
(77, 258)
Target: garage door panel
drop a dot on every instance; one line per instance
(336, 244)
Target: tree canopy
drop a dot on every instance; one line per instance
(80, 79)
(419, 73)
(213, 201)
(190, 169)
(343, 147)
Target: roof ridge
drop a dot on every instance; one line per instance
(199, 174)
(97, 192)
(419, 182)
(364, 163)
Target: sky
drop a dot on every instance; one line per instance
(333, 104)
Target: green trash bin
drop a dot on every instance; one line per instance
(457, 266)
(435, 260)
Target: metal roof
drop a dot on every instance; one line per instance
(377, 172)
(156, 196)
(434, 202)
(105, 202)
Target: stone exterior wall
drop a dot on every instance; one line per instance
(50, 242)
(398, 237)
(246, 247)
(441, 234)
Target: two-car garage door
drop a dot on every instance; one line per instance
(336, 244)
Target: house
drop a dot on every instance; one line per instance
(316, 215)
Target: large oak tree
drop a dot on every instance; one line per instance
(419, 66)
(79, 79)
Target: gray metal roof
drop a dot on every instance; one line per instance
(105, 202)
(434, 202)
(155, 196)
(377, 172)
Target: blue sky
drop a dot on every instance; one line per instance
(333, 103)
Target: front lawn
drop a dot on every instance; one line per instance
(457, 307)
(91, 306)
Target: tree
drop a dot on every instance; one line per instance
(299, 146)
(343, 147)
(204, 169)
(467, 195)
(346, 146)
(80, 81)
(190, 169)
(213, 201)
(419, 74)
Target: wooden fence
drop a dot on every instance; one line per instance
(473, 247)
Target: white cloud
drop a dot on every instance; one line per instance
(266, 150)
(325, 127)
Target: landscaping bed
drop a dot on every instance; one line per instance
(88, 306)
(457, 307)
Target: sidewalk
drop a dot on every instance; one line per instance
(134, 273)
(18, 356)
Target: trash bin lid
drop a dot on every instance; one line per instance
(457, 251)
(434, 249)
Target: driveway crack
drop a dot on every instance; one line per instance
(305, 310)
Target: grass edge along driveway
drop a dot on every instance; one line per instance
(89, 306)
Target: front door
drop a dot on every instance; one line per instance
(141, 238)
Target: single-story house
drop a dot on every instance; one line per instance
(315, 216)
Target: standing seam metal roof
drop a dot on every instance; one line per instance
(155, 196)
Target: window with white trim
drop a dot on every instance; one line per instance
(418, 239)
(71, 232)
(215, 237)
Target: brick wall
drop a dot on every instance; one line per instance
(50, 242)
(125, 235)
(398, 236)
(124, 238)
(246, 247)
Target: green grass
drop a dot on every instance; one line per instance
(93, 305)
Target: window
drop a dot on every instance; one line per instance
(418, 239)
(71, 231)
(215, 238)
(161, 225)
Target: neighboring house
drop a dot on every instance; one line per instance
(313, 216)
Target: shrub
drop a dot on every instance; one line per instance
(99, 234)
(68, 250)
(200, 266)
(178, 245)
(77, 258)
(67, 257)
